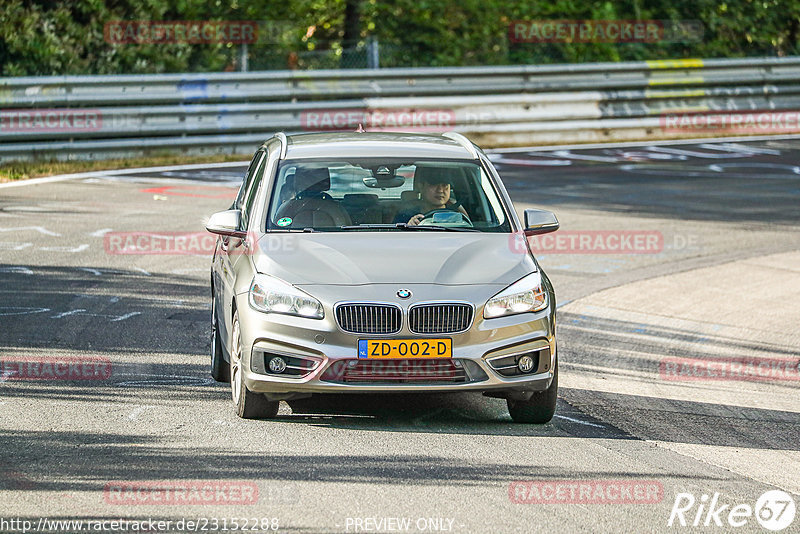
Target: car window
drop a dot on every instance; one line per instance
(248, 179)
(329, 194)
(254, 179)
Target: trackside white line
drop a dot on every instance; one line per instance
(113, 172)
(126, 316)
(578, 421)
(643, 143)
(71, 312)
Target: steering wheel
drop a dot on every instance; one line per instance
(429, 216)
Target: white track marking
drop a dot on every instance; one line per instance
(578, 421)
(17, 270)
(588, 157)
(722, 167)
(84, 313)
(722, 152)
(187, 271)
(39, 229)
(744, 148)
(112, 299)
(646, 143)
(532, 162)
(25, 311)
(101, 233)
(15, 246)
(65, 314)
(79, 248)
(126, 316)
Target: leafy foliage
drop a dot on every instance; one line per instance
(44, 37)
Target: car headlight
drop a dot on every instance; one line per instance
(526, 295)
(271, 295)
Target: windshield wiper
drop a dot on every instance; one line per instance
(406, 226)
(290, 230)
(367, 226)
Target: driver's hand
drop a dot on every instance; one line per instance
(416, 219)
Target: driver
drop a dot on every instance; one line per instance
(434, 186)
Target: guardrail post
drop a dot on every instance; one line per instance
(243, 58)
(373, 54)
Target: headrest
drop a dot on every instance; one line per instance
(312, 179)
(360, 199)
(409, 196)
(433, 175)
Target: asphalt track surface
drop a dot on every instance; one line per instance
(148, 414)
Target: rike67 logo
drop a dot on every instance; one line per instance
(774, 510)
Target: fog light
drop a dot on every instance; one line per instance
(525, 364)
(277, 365)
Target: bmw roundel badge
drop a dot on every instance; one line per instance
(403, 293)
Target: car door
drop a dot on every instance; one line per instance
(230, 250)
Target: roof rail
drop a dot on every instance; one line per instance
(284, 142)
(463, 141)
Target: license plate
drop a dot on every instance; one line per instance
(373, 349)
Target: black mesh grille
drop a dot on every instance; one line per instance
(369, 318)
(440, 318)
(402, 371)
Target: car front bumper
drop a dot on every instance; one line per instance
(323, 343)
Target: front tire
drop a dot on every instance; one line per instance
(248, 405)
(220, 369)
(539, 409)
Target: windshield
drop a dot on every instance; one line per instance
(384, 195)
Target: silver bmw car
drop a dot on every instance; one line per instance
(380, 262)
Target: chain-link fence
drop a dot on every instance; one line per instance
(374, 54)
(365, 55)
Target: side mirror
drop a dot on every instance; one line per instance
(226, 223)
(540, 222)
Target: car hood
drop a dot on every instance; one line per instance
(407, 257)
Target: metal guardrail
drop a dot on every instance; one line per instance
(95, 117)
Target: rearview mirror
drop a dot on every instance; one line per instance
(540, 222)
(226, 223)
(384, 182)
